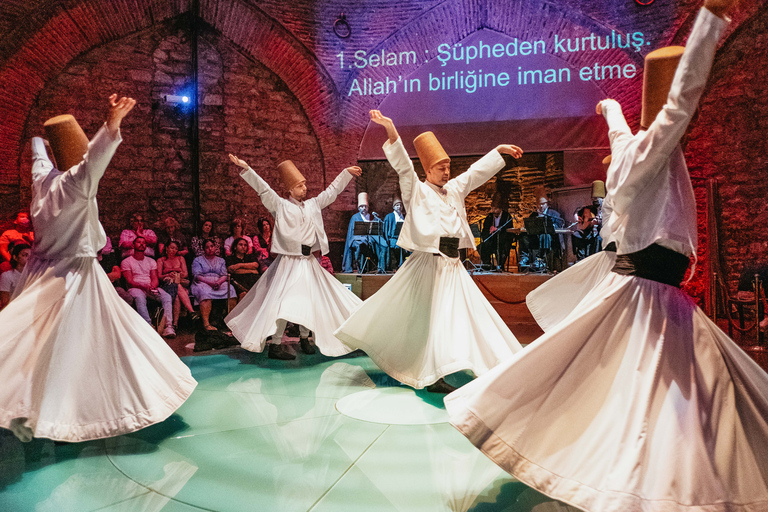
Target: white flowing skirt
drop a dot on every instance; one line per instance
(299, 290)
(428, 321)
(637, 403)
(556, 298)
(79, 362)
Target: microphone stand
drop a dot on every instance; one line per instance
(498, 240)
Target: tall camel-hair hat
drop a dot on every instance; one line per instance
(429, 150)
(598, 188)
(660, 67)
(68, 141)
(290, 174)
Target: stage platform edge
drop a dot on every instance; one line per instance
(505, 291)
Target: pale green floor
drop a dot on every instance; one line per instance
(266, 435)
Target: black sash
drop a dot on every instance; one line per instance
(656, 263)
(611, 247)
(449, 246)
(306, 250)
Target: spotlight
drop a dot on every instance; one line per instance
(172, 98)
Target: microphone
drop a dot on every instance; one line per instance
(375, 215)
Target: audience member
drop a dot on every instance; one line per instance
(264, 240)
(21, 233)
(137, 230)
(243, 268)
(140, 272)
(237, 230)
(108, 262)
(210, 282)
(9, 279)
(325, 262)
(174, 279)
(206, 233)
(172, 231)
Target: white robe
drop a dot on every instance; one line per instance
(295, 287)
(75, 359)
(636, 401)
(430, 319)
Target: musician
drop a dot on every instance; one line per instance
(359, 247)
(586, 239)
(494, 231)
(534, 249)
(395, 254)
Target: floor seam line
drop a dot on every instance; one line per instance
(318, 500)
(149, 489)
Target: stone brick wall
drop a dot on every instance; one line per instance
(727, 141)
(245, 110)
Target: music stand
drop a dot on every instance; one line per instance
(497, 234)
(539, 225)
(542, 225)
(398, 250)
(367, 229)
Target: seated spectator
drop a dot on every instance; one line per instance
(21, 234)
(210, 282)
(206, 233)
(108, 263)
(140, 272)
(172, 231)
(137, 229)
(263, 240)
(586, 239)
(325, 262)
(237, 230)
(107, 249)
(243, 268)
(9, 279)
(174, 279)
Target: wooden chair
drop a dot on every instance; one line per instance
(744, 303)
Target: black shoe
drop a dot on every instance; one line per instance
(441, 387)
(307, 346)
(280, 352)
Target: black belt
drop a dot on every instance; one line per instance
(449, 246)
(306, 250)
(656, 263)
(611, 247)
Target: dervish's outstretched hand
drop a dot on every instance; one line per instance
(510, 149)
(720, 8)
(238, 162)
(118, 109)
(378, 118)
(354, 170)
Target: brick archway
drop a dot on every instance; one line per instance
(72, 30)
